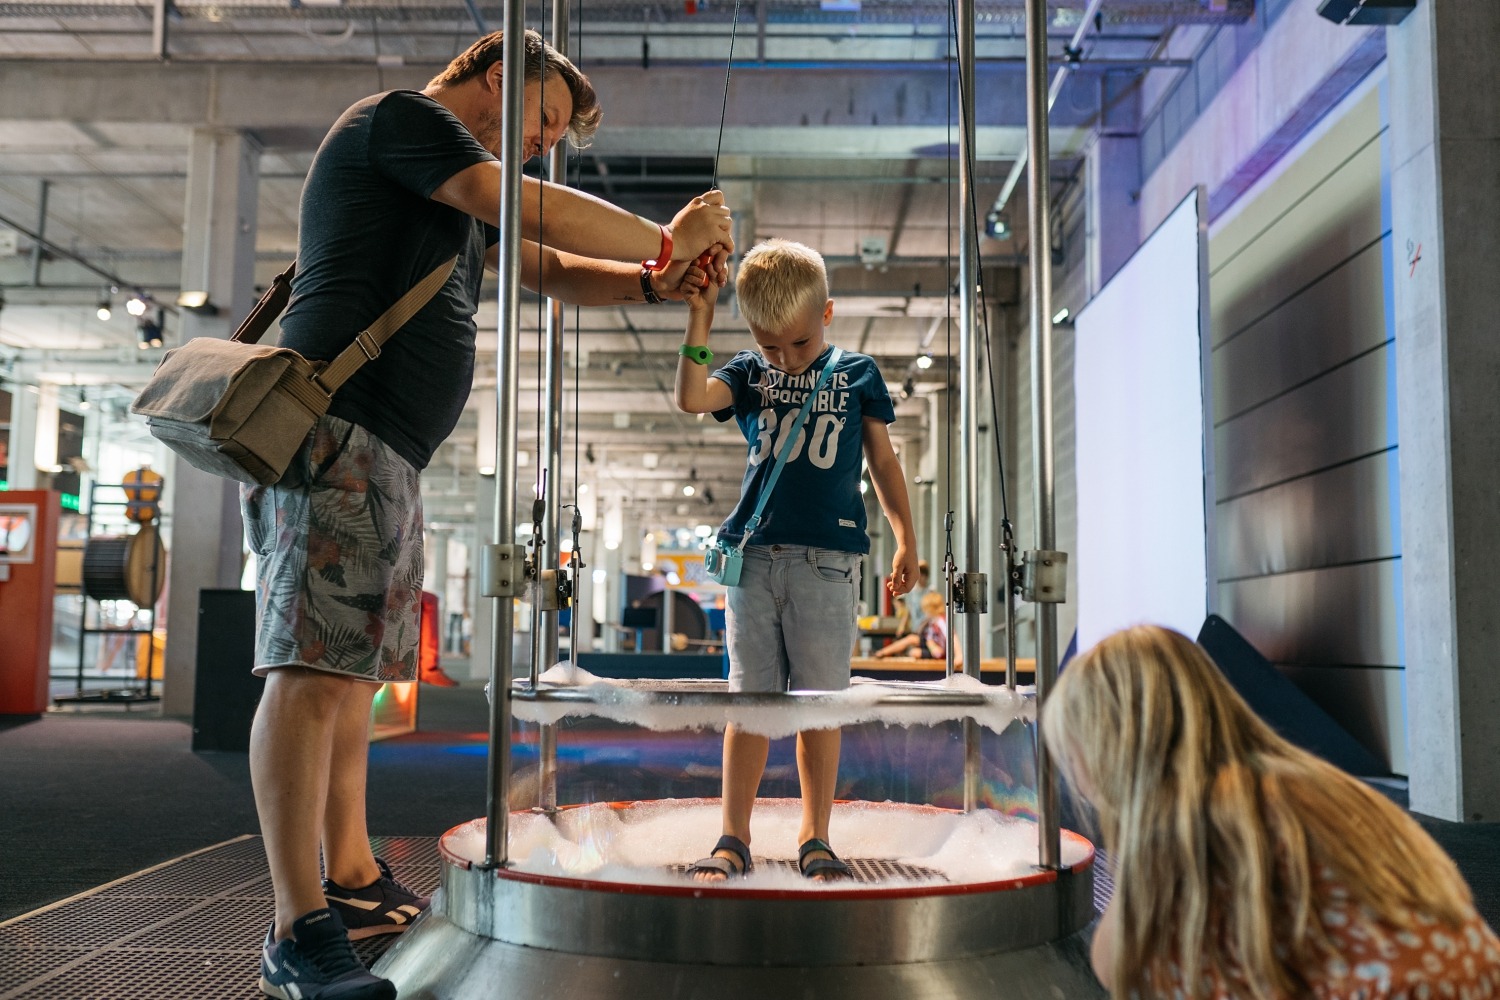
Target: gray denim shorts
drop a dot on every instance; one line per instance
(339, 548)
(790, 624)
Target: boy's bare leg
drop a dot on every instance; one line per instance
(291, 747)
(744, 763)
(347, 858)
(818, 771)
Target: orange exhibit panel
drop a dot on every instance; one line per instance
(28, 576)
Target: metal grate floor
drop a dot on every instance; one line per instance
(190, 929)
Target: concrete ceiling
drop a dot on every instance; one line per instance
(840, 129)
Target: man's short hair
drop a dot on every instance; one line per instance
(778, 282)
(540, 55)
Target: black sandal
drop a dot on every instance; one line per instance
(831, 865)
(723, 866)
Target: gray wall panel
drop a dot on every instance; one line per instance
(1335, 616)
(1339, 316)
(1369, 702)
(1339, 515)
(1336, 418)
(1336, 220)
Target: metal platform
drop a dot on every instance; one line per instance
(189, 929)
(883, 936)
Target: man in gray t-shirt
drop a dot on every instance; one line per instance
(404, 181)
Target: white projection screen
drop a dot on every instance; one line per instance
(1144, 461)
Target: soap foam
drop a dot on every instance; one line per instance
(637, 844)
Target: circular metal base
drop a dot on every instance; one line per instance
(583, 938)
(437, 960)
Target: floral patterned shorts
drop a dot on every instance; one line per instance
(339, 546)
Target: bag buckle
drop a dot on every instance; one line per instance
(368, 344)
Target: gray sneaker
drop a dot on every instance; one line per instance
(385, 906)
(318, 963)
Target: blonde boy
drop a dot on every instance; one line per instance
(791, 619)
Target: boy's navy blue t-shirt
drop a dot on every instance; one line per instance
(817, 500)
(369, 232)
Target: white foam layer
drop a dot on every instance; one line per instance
(639, 843)
(864, 701)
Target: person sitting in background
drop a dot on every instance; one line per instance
(1243, 866)
(909, 604)
(930, 640)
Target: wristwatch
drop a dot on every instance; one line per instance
(647, 290)
(696, 353)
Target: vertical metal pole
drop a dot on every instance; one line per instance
(159, 29)
(968, 363)
(1039, 219)
(38, 247)
(497, 810)
(549, 552)
(668, 618)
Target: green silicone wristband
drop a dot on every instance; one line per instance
(696, 354)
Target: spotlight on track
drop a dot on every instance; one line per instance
(996, 225)
(148, 330)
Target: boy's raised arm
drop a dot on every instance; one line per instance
(890, 488)
(694, 391)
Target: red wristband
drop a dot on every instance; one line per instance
(664, 255)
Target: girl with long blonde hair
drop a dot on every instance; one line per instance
(1243, 866)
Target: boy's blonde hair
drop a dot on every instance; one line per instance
(779, 282)
(1218, 828)
(933, 603)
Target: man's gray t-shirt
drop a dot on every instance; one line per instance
(369, 232)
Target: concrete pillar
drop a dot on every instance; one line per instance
(943, 493)
(610, 596)
(25, 401)
(1111, 217)
(218, 256)
(1445, 202)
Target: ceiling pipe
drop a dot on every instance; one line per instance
(1073, 53)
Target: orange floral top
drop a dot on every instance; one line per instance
(1376, 961)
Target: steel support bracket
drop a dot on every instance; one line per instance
(1044, 576)
(971, 594)
(502, 571)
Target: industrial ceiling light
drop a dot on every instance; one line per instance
(106, 305)
(1061, 316)
(689, 489)
(198, 302)
(137, 304)
(924, 361)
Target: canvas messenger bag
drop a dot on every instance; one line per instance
(241, 410)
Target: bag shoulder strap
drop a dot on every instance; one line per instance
(271, 304)
(786, 446)
(367, 343)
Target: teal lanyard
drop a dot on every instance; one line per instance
(786, 446)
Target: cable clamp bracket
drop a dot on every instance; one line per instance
(971, 593)
(1044, 576)
(551, 590)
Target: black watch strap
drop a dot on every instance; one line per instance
(646, 289)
